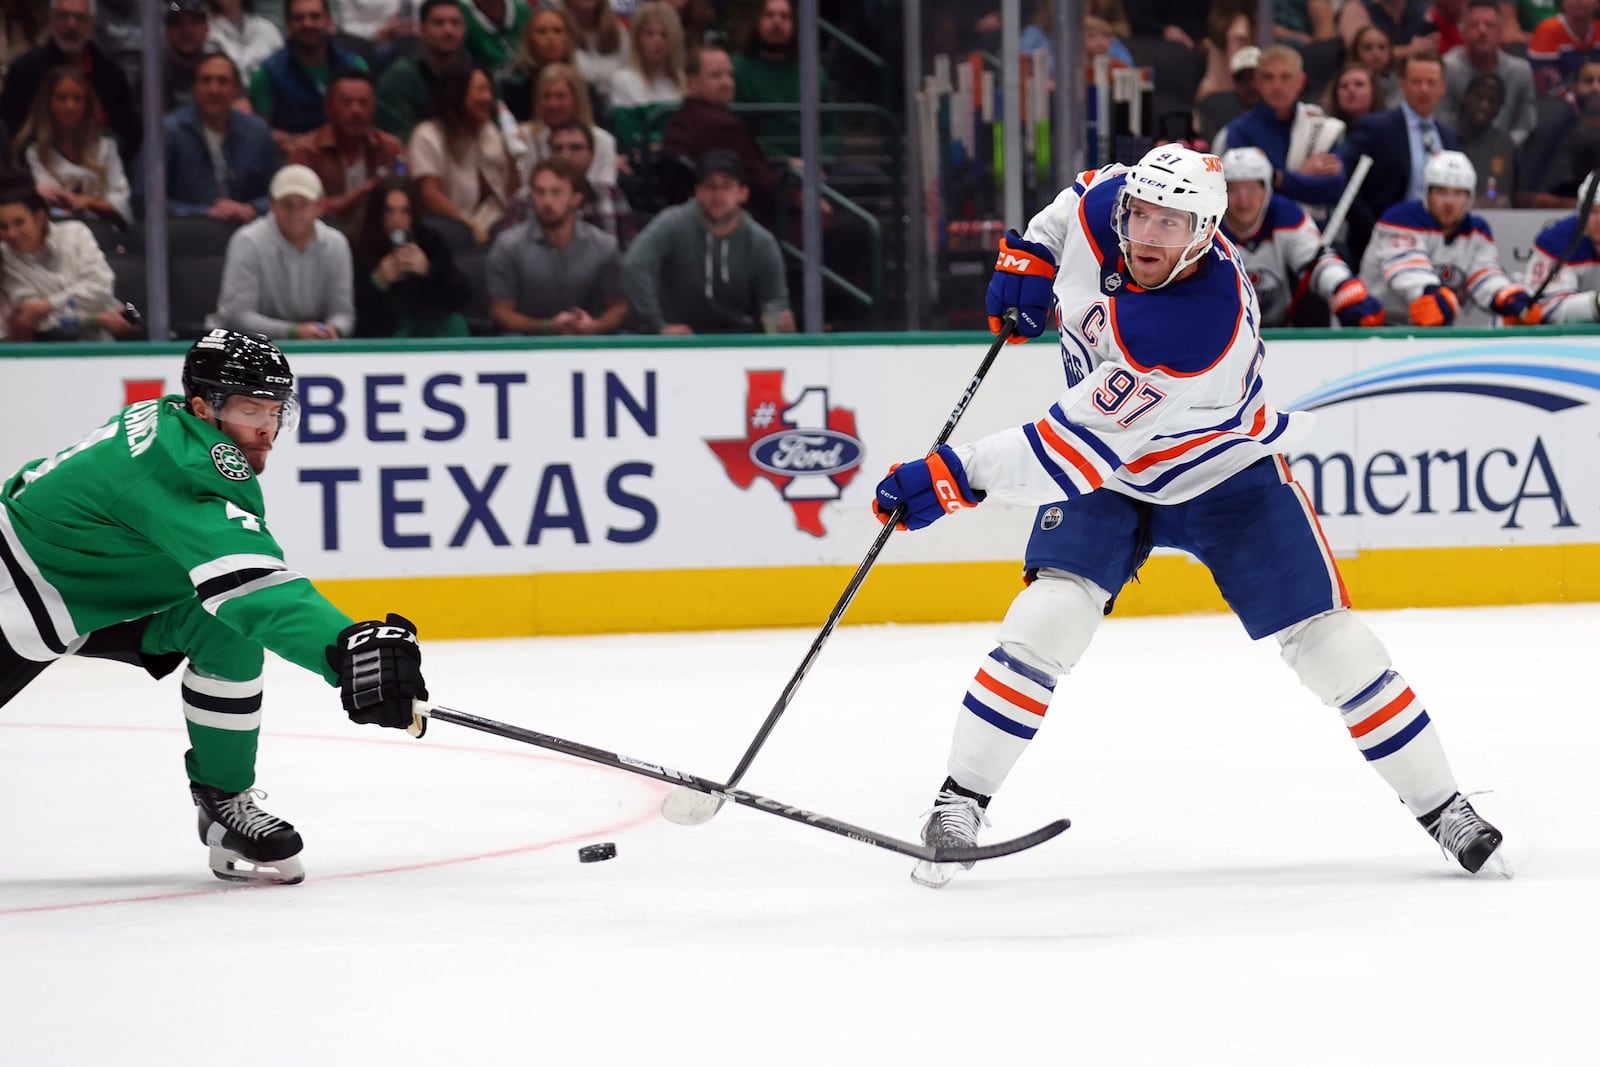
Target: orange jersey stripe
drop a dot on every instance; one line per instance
(1010, 695)
(1327, 549)
(1068, 453)
(1088, 232)
(1145, 462)
(1383, 714)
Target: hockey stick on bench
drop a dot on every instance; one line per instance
(1577, 236)
(959, 854)
(691, 807)
(1330, 232)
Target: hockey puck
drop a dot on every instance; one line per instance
(595, 853)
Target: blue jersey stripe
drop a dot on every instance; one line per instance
(1085, 437)
(1047, 461)
(1155, 485)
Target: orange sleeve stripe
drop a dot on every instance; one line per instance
(1010, 695)
(1058, 445)
(1383, 714)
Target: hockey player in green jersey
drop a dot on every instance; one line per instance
(146, 542)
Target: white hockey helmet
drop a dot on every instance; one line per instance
(1173, 176)
(1449, 170)
(1246, 165)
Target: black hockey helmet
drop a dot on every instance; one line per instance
(227, 363)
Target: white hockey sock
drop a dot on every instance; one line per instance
(1391, 728)
(1003, 709)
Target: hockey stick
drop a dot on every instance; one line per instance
(945, 854)
(1577, 235)
(690, 807)
(1336, 219)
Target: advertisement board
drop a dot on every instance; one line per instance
(647, 485)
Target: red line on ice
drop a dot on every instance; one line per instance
(657, 791)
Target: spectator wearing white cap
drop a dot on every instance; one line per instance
(287, 274)
(1297, 137)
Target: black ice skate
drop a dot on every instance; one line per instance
(954, 819)
(1466, 837)
(247, 844)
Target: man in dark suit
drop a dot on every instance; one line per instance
(1399, 140)
(71, 44)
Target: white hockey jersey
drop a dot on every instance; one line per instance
(1570, 297)
(1409, 252)
(1284, 244)
(1164, 395)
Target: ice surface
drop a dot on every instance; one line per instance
(1237, 886)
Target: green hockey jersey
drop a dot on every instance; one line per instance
(153, 508)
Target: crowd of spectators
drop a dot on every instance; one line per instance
(1503, 96)
(383, 168)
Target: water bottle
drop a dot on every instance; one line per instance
(1489, 192)
(68, 324)
(399, 166)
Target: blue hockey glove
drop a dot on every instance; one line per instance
(1513, 301)
(1355, 306)
(1024, 278)
(929, 488)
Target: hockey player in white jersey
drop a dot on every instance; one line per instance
(1574, 294)
(1162, 437)
(1279, 243)
(1431, 258)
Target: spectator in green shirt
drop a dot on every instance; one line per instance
(493, 29)
(767, 71)
(407, 86)
(287, 88)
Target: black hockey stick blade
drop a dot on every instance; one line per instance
(964, 854)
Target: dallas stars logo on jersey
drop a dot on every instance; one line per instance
(230, 462)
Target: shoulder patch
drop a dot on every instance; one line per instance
(230, 462)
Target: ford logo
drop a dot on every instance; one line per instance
(796, 452)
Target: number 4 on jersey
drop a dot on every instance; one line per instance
(234, 511)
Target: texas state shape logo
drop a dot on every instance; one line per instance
(804, 447)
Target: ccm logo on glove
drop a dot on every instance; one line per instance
(373, 631)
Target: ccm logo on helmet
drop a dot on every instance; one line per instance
(1213, 163)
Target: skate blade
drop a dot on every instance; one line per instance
(934, 875)
(1497, 865)
(232, 867)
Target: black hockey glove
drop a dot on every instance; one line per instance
(380, 672)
